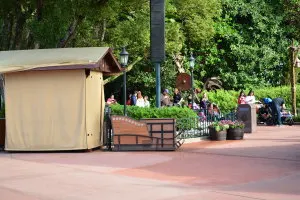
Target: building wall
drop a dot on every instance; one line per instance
(46, 110)
(94, 109)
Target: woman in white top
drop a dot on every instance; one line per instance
(147, 103)
(250, 99)
(140, 100)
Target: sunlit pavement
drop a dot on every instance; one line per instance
(266, 165)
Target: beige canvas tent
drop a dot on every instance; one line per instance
(54, 97)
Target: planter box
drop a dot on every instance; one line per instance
(235, 134)
(217, 135)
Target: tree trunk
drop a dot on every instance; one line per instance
(9, 31)
(71, 32)
(40, 5)
(293, 78)
(103, 30)
(2, 97)
(178, 60)
(18, 31)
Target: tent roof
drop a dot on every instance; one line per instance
(98, 58)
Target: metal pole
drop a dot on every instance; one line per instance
(158, 87)
(124, 91)
(192, 82)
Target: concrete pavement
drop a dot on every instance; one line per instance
(266, 166)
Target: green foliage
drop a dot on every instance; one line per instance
(165, 112)
(297, 118)
(227, 99)
(220, 125)
(184, 116)
(2, 112)
(242, 42)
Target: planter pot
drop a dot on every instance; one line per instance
(217, 135)
(235, 134)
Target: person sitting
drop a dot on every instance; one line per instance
(140, 100)
(133, 98)
(242, 98)
(213, 111)
(176, 97)
(129, 100)
(165, 99)
(147, 103)
(204, 102)
(111, 100)
(250, 99)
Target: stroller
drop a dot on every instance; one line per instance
(265, 114)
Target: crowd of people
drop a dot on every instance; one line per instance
(203, 103)
(135, 99)
(167, 100)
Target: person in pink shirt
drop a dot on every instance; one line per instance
(111, 100)
(242, 98)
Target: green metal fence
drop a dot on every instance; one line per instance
(198, 126)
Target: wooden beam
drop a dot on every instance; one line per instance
(127, 70)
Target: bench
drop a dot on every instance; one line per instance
(145, 134)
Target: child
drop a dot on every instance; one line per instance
(146, 102)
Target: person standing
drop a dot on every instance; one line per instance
(204, 102)
(111, 100)
(276, 106)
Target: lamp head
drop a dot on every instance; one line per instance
(124, 57)
(192, 61)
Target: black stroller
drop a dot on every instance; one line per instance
(265, 114)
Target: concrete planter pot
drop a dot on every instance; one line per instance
(235, 134)
(217, 135)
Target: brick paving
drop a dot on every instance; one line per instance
(265, 166)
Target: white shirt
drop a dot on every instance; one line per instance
(147, 104)
(140, 102)
(250, 99)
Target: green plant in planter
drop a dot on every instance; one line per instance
(236, 130)
(222, 125)
(237, 124)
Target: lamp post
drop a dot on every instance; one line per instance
(124, 60)
(192, 64)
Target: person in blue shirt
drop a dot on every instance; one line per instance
(133, 99)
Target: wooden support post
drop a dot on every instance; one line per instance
(293, 58)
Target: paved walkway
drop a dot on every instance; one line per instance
(265, 166)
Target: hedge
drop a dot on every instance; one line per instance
(227, 99)
(185, 117)
(136, 112)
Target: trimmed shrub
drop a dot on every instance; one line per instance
(184, 116)
(227, 99)
(136, 112)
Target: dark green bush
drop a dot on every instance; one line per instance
(165, 112)
(2, 112)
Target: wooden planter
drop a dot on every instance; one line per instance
(217, 135)
(235, 134)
